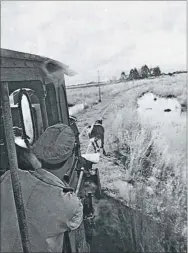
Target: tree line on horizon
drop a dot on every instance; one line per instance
(143, 72)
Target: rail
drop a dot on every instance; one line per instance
(88, 85)
(17, 191)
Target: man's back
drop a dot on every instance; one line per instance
(49, 210)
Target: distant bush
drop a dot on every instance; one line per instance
(123, 76)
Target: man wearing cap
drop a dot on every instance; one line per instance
(54, 149)
(51, 208)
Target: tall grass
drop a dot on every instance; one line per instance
(156, 175)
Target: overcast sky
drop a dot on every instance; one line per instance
(98, 35)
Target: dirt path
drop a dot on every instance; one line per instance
(91, 114)
(110, 171)
(101, 110)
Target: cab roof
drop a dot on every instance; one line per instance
(19, 66)
(7, 53)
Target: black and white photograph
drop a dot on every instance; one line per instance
(93, 127)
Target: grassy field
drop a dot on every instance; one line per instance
(146, 164)
(161, 86)
(90, 95)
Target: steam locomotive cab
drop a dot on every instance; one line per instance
(38, 100)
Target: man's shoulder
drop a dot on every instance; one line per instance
(48, 178)
(40, 174)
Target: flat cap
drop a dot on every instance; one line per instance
(55, 145)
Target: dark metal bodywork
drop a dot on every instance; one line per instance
(23, 70)
(48, 97)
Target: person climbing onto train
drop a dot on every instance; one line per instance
(51, 207)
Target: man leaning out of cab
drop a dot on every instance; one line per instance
(51, 207)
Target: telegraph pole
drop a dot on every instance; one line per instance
(99, 86)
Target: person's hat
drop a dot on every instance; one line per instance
(55, 145)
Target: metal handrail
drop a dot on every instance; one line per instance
(16, 186)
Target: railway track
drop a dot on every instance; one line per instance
(99, 111)
(73, 87)
(107, 106)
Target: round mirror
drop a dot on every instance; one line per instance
(26, 116)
